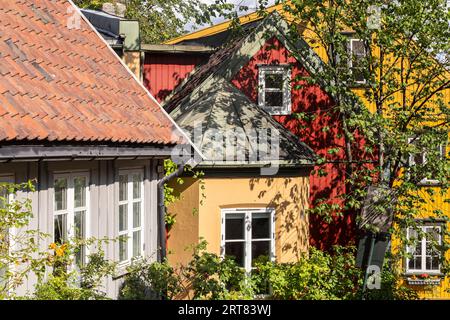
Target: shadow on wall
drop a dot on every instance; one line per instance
(290, 202)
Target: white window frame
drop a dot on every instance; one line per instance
(350, 59)
(423, 255)
(248, 232)
(70, 210)
(412, 162)
(129, 202)
(263, 70)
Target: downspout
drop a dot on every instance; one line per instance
(162, 209)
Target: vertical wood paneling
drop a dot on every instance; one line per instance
(163, 72)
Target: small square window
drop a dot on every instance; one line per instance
(248, 234)
(274, 94)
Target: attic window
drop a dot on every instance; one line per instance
(357, 52)
(274, 94)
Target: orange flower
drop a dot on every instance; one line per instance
(53, 246)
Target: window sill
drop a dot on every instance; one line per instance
(428, 183)
(415, 279)
(122, 267)
(423, 282)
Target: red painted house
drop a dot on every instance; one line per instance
(261, 63)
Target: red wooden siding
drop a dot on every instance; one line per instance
(314, 101)
(163, 72)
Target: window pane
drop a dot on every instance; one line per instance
(236, 250)
(419, 159)
(80, 233)
(415, 263)
(137, 186)
(123, 217)
(358, 54)
(123, 248)
(433, 233)
(80, 224)
(3, 196)
(234, 227)
(61, 194)
(123, 187)
(136, 215)
(261, 226)
(273, 99)
(435, 262)
(136, 243)
(274, 81)
(80, 191)
(260, 249)
(60, 228)
(358, 48)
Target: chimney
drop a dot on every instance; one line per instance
(116, 9)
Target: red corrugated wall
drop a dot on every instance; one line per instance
(313, 101)
(164, 71)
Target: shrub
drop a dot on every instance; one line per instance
(150, 280)
(70, 282)
(317, 276)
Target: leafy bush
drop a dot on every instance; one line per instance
(70, 282)
(215, 278)
(317, 276)
(150, 280)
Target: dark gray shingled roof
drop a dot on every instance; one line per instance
(219, 105)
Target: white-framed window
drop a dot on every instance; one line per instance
(248, 234)
(425, 258)
(130, 219)
(357, 55)
(71, 210)
(420, 159)
(274, 89)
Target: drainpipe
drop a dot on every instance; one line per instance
(162, 209)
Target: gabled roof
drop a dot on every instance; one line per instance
(60, 82)
(222, 109)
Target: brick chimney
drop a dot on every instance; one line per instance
(116, 9)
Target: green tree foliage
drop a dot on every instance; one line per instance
(161, 20)
(69, 282)
(406, 71)
(19, 248)
(22, 254)
(315, 277)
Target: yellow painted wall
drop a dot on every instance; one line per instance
(289, 197)
(434, 202)
(185, 230)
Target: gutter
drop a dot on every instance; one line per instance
(162, 210)
(176, 48)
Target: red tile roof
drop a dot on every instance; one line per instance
(64, 84)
